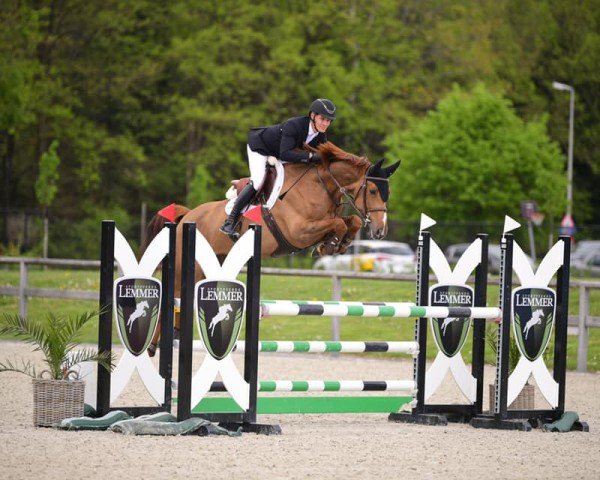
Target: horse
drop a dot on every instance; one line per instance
(140, 311)
(222, 314)
(447, 322)
(308, 213)
(536, 319)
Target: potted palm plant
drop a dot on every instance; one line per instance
(58, 392)
(525, 400)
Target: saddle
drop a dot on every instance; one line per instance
(265, 191)
(265, 198)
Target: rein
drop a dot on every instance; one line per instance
(282, 196)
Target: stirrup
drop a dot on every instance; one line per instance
(233, 234)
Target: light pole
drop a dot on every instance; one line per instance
(571, 90)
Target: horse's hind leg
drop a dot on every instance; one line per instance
(154, 342)
(156, 338)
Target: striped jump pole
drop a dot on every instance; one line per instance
(373, 309)
(281, 346)
(407, 386)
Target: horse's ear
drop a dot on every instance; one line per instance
(375, 169)
(388, 171)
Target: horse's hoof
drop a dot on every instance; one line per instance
(151, 350)
(343, 246)
(327, 249)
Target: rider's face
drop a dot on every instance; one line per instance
(321, 123)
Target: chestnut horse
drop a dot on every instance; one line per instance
(308, 211)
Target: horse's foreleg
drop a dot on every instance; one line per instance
(335, 230)
(353, 225)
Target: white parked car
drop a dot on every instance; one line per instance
(372, 256)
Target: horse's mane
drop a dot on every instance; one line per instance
(332, 153)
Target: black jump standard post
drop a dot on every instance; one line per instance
(186, 322)
(107, 269)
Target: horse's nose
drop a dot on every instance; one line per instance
(378, 234)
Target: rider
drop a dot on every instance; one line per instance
(283, 141)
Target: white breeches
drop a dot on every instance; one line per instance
(258, 167)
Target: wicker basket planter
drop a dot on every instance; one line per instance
(55, 400)
(525, 399)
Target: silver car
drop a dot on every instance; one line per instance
(454, 252)
(585, 258)
(372, 256)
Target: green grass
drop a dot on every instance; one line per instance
(289, 328)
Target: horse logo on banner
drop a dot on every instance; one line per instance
(137, 303)
(220, 312)
(450, 333)
(533, 318)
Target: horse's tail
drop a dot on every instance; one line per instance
(172, 213)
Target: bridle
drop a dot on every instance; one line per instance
(365, 217)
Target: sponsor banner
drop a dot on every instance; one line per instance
(219, 307)
(533, 313)
(450, 333)
(137, 305)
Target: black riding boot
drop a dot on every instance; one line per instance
(243, 199)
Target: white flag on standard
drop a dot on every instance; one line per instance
(426, 222)
(510, 224)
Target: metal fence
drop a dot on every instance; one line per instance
(579, 325)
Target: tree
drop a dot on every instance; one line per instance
(46, 185)
(152, 101)
(19, 33)
(474, 158)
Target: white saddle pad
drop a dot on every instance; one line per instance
(231, 194)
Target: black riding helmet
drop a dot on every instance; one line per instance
(324, 107)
